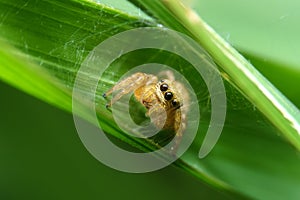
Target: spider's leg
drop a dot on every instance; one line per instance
(179, 126)
(128, 85)
(161, 118)
(168, 74)
(181, 114)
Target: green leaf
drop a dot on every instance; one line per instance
(43, 44)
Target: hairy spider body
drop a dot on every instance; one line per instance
(163, 100)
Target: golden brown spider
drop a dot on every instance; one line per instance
(163, 100)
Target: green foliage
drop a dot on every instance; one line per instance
(43, 44)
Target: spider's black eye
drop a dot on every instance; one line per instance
(174, 102)
(168, 96)
(164, 87)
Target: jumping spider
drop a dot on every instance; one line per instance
(163, 100)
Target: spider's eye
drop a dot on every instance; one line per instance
(164, 87)
(174, 102)
(168, 96)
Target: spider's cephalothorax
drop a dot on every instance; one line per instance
(163, 100)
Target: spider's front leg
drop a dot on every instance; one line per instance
(168, 74)
(172, 121)
(157, 115)
(128, 85)
(179, 126)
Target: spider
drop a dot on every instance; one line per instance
(163, 100)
